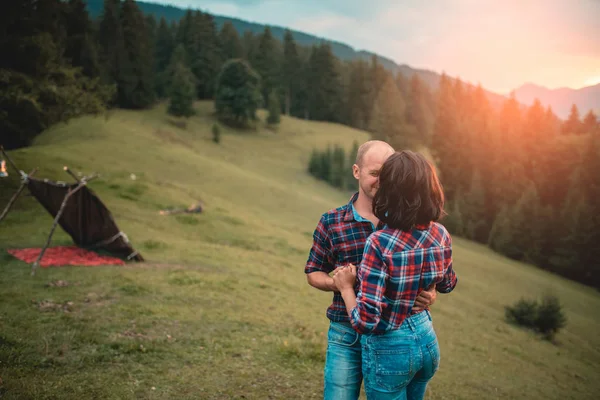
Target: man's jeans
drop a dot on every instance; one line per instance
(343, 371)
(399, 364)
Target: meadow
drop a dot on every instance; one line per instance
(221, 308)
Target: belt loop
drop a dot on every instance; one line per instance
(428, 315)
(411, 323)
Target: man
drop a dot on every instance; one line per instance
(339, 239)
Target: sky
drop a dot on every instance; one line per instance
(500, 44)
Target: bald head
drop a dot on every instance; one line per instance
(378, 146)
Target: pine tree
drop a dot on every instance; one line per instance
(237, 94)
(291, 71)
(387, 118)
(552, 123)
(112, 45)
(231, 45)
(358, 95)
(508, 180)
(523, 225)
(163, 50)
(474, 211)
(324, 85)
(454, 221)
(590, 123)
(533, 136)
(572, 126)
(182, 92)
(338, 167)
(403, 85)
(326, 164)
(417, 110)
(81, 47)
(197, 32)
(314, 163)
(447, 143)
(574, 248)
(135, 75)
(268, 64)
(503, 234)
(250, 45)
(274, 109)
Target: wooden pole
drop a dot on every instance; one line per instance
(16, 195)
(71, 192)
(68, 171)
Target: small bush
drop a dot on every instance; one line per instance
(546, 318)
(216, 132)
(550, 317)
(523, 313)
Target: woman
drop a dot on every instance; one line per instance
(399, 348)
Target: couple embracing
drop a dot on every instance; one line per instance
(384, 257)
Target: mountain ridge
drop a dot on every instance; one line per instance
(561, 99)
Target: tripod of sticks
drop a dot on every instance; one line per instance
(24, 179)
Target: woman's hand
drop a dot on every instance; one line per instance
(345, 277)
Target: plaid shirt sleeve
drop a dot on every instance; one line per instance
(319, 258)
(371, 276)
(449, 281)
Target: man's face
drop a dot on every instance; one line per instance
(367, 173)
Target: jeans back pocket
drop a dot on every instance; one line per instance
(393, 368)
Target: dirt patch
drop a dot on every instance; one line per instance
(49, 305)
(58, 283)
(95, 299)
(133, 335)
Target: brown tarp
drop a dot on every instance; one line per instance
(85, 218)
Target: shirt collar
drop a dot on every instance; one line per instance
(349, 215)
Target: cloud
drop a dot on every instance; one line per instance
(501, 44)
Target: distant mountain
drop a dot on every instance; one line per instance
(341, 50)
(561, 100)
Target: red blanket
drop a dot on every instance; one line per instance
(64, 255)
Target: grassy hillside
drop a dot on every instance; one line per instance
(221, 309)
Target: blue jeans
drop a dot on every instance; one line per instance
(399, 364)
(343, 371)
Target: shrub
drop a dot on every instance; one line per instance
(546, 318)
(550, 317)
(216, 132)
(523, 313)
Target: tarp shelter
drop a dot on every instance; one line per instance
(80, 213)
(86, 219)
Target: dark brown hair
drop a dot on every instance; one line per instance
(409, 192)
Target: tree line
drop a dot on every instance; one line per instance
(60, 63)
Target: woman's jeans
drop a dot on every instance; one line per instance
(399, 364)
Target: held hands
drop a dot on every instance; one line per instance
(344, 277)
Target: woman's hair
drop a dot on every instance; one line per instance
(409, 192)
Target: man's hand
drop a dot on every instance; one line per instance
(345, 277)
(425, 299)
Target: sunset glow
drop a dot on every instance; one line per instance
(501, 45)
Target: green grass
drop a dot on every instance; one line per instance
(221, 308)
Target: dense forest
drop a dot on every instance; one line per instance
(516, 177)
